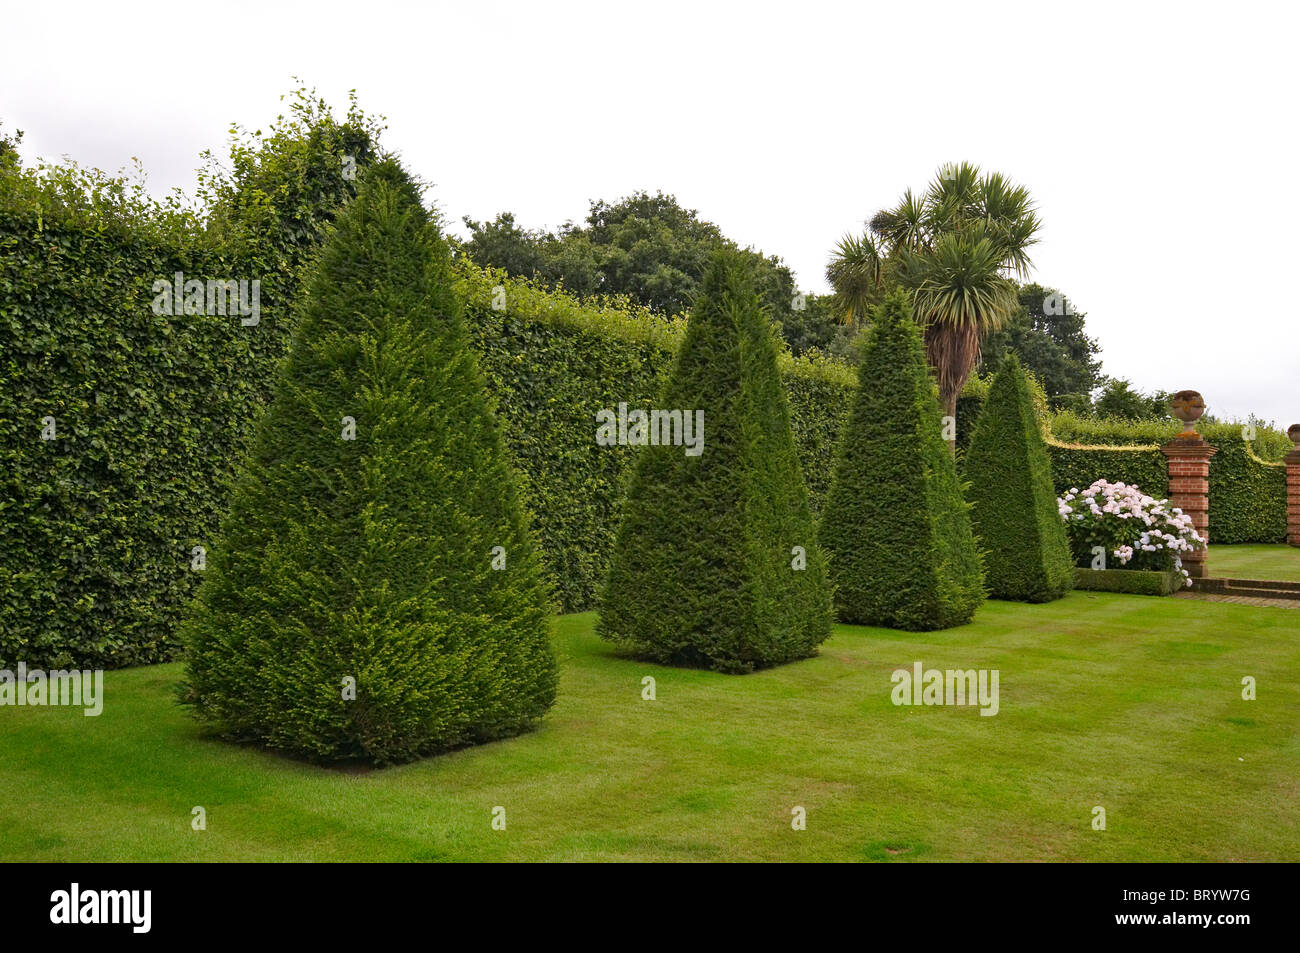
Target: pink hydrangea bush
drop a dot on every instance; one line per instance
(1134, 530)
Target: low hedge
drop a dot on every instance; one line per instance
(1079, 465)
(1136, 582)
(1247, 477)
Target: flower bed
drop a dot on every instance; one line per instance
(1111, 523)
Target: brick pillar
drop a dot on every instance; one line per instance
(1189, 490)
(1293, 487)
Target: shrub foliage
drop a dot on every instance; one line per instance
(374, 539)
(715, 563)
(895, 527)
(1013, 503)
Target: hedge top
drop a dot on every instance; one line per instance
(615, 317)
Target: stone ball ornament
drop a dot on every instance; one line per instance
(1187, 406)
(1294, 433)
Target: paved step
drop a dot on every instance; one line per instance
(1248, 588)
(1239, 600)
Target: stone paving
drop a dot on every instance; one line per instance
(1240, 600)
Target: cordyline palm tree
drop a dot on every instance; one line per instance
(959, 294)
(958, 247)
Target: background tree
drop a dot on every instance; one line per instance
(649, 248)
(9, 146)
(1053, 347)
(501, 243)
(959, 295)
(817, 326)
(859, 272)
(283, 188)
(1121, 400)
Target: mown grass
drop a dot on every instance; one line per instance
(1125, 702)
(1271, 561)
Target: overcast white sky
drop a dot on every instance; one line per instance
(1159, 140)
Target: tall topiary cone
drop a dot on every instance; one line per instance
(716, 562)
(895, 528)
(357, 604)
(1013, 501)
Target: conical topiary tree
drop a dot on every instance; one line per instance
(895, 528)
(716, 562)
(1013, 501)
(375, 593)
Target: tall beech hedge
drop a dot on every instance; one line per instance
(99, 524)
(554, 362)
(716, 562)
(895, 526)
(374, 592)
(98, 527)
(1013, 502)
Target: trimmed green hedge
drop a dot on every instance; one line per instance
(553, 361)
(1079, 466)
(98, 526)
(374, 592)
(1013, 505)
(715, 563)
(1247, 493)
(1137, 582)
(896, 527)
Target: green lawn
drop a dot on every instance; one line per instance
(1127, 702)
(1275, 561)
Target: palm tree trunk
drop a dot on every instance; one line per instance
(952, 352)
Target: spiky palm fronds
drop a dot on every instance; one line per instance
(956, 246)
(959, 295)
(856, 272)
